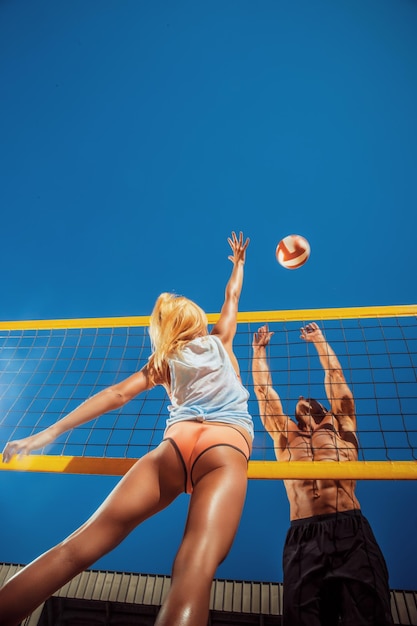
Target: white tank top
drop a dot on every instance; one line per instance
(205, 386)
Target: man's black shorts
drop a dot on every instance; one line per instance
(334, 573)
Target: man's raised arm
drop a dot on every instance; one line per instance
(270, 406)
(338, 393)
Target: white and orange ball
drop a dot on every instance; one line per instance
(292, 251)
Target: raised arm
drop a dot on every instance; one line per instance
(338, 393)
(106, 400)
(275, 422)
(226, 325)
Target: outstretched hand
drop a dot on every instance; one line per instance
(22, 447)
(312, 333)
(262, 337)
(238, 247)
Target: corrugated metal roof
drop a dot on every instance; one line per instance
(404, 607)
(231, 596)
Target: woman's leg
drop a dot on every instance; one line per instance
(152, 483)
(216, 505)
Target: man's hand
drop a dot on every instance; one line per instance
(262, 338)
(312, 333)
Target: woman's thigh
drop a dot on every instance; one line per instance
(151, 484)
(215, 510)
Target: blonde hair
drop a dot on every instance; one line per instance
(175, 320)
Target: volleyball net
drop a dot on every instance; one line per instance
(48, 367)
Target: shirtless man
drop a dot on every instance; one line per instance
(334, 570)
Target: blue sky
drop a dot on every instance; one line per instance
(136, 136)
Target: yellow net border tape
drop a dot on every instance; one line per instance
(353, 470)
(406, 310)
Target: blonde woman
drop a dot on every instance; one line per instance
(205, 451)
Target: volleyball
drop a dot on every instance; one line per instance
(292, 251)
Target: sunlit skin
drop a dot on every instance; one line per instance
(316, 434)
(220, 481)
